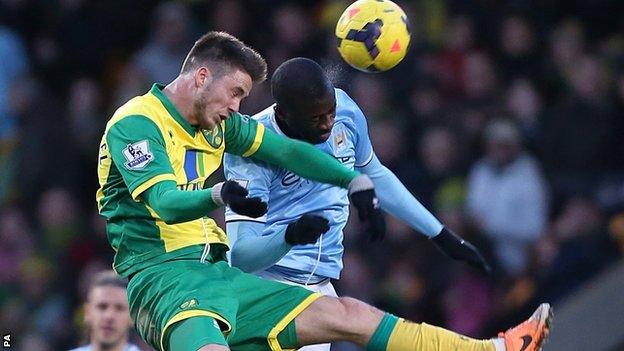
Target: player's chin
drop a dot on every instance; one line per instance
(322, 138)
(109, 337)
(210, 122)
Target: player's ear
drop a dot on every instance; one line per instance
(203, 77)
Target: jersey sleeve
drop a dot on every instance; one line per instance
(243, 135)
(363, 146)
(138, 151)
(255, 176)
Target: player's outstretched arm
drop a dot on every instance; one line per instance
(255, 247)
(399, 202)
(304, 160)
(251, 251)
(246, 137)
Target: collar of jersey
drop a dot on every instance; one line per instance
(170, 107)
(273, 120)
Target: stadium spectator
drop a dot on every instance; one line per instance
(575, 248)
(14, 66)
(45, 308)
(579, 132)
(518, 56)
(507, 196)
(160, 58)
(17, 245)
(438, 162)
(106, 314)
(525, 104)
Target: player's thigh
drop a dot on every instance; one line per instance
(174, 291)
(196, 333)
(326, 289)
(266, 313)
(330, 319)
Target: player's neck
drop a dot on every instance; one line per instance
(176, 94)
(120, 346)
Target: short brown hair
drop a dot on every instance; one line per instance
(108, 278)
(221, 49)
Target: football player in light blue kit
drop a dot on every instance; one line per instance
(299, 240)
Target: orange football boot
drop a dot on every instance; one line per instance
(530, 334)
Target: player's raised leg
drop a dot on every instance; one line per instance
(332, 319)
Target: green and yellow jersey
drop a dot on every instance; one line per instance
(145, 142)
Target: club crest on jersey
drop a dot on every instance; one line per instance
(138, 155)
(214, 137)
(339, 140)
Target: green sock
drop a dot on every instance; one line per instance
(379, 340)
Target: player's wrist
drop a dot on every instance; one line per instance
(215, 194)
(444, 232)
(447, 238)
(289, 234)
(360, 183)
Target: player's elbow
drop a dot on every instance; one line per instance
(170, 216)
(238, 260)
(171, 221)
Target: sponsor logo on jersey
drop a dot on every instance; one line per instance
(290, 179)
(191, 186)
(138, 155)
(340, 140)
(214, 137)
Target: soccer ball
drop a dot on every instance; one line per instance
(373, 35)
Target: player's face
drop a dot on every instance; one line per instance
(107, 315)
(218, 97)
(314, 120)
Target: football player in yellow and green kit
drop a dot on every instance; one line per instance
(156, 153)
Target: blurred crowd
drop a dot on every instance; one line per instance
(506, 119)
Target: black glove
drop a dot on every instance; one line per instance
(306, 230)
(362, 193)
(235, 196)
(460, 249)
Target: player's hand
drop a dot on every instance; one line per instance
(235, 196)
(362, 194)
(460, 249)
(306, 230)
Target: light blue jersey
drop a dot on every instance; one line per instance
(289, 196)
(258, 244)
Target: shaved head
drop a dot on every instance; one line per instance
(299, 81)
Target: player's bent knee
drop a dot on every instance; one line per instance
(354, 308)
